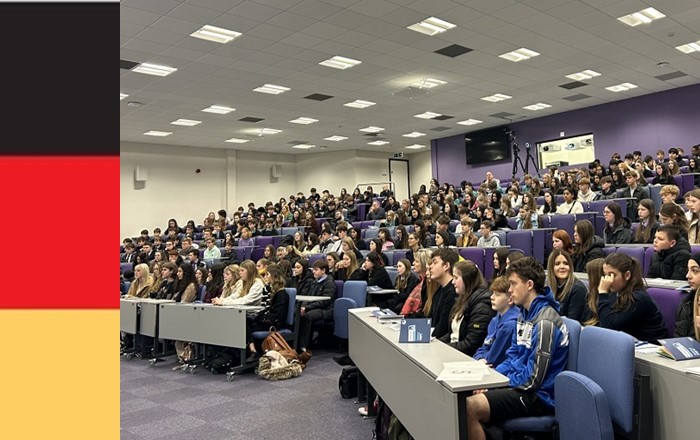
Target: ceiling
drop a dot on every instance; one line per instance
(283, 41)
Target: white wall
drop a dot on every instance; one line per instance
(231, 178)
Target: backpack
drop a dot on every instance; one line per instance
(275, 341)
(347, 383)
(287, 240)
(221, 362)
(381, 423)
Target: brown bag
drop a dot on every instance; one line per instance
(275, 341)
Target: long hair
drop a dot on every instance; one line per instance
(594, 269)
(252, 276)
(445, 239)
(423, 256)
(217, 278)
(676, 213)
(696, 314)
(232, 270)
(624, 264)
(527, 221)
(402, 280)
(564, 237)
(643, 233)
(550, 208)
(501, 253)
(187, 279)
(144, 281)
(614, 207)
(277, 279)
(553, 281)
(472, 279)
(403, 241)
(586, 233)
(353, 264)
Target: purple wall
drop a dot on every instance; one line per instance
(647, 123)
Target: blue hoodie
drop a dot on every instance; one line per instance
(498, 337)
(539, 348)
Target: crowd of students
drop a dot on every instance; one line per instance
(511, 322)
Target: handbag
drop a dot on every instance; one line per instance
(276, 342)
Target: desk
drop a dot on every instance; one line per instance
(674, 396)
(140, 315)
(404, 375)
(128, 316)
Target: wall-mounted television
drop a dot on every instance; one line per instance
(490, 145)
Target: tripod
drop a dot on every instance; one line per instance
(528, 159)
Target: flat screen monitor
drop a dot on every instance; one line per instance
(491, 145)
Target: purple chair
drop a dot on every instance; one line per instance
(541, 243)
(559, 198)
(607, 250)
(668, 301)
(257, 254)
(635, 252)
(512, 224)
(565, 222)
(398, 254)
(648, 253)
(263, 241)
(362, 210)
(687, 182)
(368, 223)
(522, 240)
(539, 200)
(339, 288)
(475, 255)
(289, 230)
(597, 206)
(126, 267)
(694, 248)
(357, 225)
(545, 221)
(488, 262)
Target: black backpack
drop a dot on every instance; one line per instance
(221, 363)
(347, 383)
(287, 240)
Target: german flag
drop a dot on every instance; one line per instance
(59, 174)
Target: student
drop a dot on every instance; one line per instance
(467, 238)
(275, 301)
(499, 262)
(607, 191)
(301, 276)
(538, 352)
(692, 201)
(570, 205)
(375, 274)
(472, 310)
(375, 245)
(562, 241)
(443, 224)
(669, 193)
(211, 252)
(568, 290)
(688, 313)
(405, 282)
(441, 263)
(441, 239)
(247, 291)
(671, 255)
(215, 282)
(550, 204)
(385, 236)
(624, 304)
(634, 191)
(143, 282)
(501, 327)
(413, 306)
(246, 237)
(487, 239)
(323, 286)
(526, 219)
(269, 230)
(584, 190)
(617, 227)
(587, 245)
(663, 176)
(646, 231)
(348, 268)
(167, 286)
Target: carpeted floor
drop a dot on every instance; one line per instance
(157, 402)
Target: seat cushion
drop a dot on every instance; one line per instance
(530, 424)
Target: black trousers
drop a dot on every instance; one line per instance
(306, 322)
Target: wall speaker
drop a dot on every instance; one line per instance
(141, 174)
(276, 171)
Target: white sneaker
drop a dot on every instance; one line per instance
(362, 410)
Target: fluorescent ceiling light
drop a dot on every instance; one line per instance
(429, 83)
(497, 97)
(621, 87)
(358, 103)
(690, 47)
(470, 122)
(237, 141)
(378, 143)
(219, 109)
(122, 96)
(580, 76)
(338, 62)
(269, 131)
(271, 89)
(414, 134)
(415, 147)
(158, 133)
(521, 54)
(644, 16)
(186, 122)
(538, 106)
(431, 26)
(153, 69)
(304, 146)
(336, 138)
(303, 121)
(216, 34)
(427, 115)
(372, 129)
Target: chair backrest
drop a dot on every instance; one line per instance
(338, 288)
(520, 239)
(398, 254)
(581, 408)
(541, 243)
(371, 233)
(202, 292)
(574, 328)
(648, 253)
(667, 300)
(263, 241)
(635, 252)
(125, 267)
(357, 291)
(607, 250)
(292, 292)
(289, 230)
(563, 221)
(315, 257)
(607, 357)
(512, 223)
(475, 255)
(393, 273)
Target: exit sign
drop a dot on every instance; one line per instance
(398, 155)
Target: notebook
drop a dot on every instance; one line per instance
(680, 349)
(415, 330)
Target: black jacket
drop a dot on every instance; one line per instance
(684, 317)
(596, 251)
(324, 288)
(641, 319)
(411, 284)
(670, 264)
(443, 300)
(378, 276)
(574, 305)
(475, 322)
(640, 193)
(275, 314)
(621, 234)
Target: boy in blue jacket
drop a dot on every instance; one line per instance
(501, 327)
(538, 352)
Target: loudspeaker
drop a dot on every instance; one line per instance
(141, 174)
(276, 171)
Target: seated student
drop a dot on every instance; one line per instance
(275, 301)
(669, 193)
(584, 190)
(688, 313)
(499, 262)
(550, 204)
(375, 212)
(440, 304)
(692, 201)
(663, 175)
(129, 254)
(648, 224)
(166, 290)
(375, 274)
(635, 191)
(568, 290)
(406, 281)
(348, 267)
(538, 352)
(332, 258)
(500, 331)
(185, 292)
(561, 240)
(487, 239)
(322, 285)
(671, 255)
(623, 302)
(594, 269)
(385, 237)
(414, 305)
(375, 245)
(247, 291)
(587, 245)
(617, 228)
(211, 252)
(607, 191)
(570, 205)
(215, 282)
(526, 219)
(326, 243)
(472, 310)
(143, 282)
(269, 229)
(246, 237)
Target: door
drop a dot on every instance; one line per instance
(398, 176)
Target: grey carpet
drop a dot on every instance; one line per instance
(158, 403)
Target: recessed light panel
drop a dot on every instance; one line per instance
(621, 87)
(521, 54)
(218, 109)
(303, 146)
(122, 96)
(154, 69)
(216, 34)
(372, 129)
(538, 106)
(336, 138)
(158, 133)
(431, 26)
(690, 47)
(338, 62)
(429, 83)
(269, 131)
(470, 122)
(645, 16)
(415, 147)
(271, 89)
(303, 121)
(378, 143)
(186, 122)
(586, 74)
(358, 103)
(427, 115)
(237, 141)
(414, 134)
(497, 97)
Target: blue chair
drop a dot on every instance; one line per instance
(667, 300)
(338, 288)
(475, 255)
(202, 293)
(289, 230)
(582, 409)
(393, 273)
(398, 254)
(565, 222)
(520, 239)
(125, 287)
(357, 291)
(288, 331)
(125, 267)
(371, 233)
(636, 252)
(315, 257)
